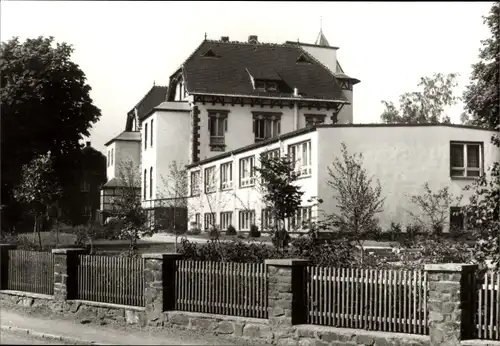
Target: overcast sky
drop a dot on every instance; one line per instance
(124, 46)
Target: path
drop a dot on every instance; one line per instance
(115, 335)
(10, 338)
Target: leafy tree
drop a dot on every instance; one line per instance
(39, 189)
(45, 106)
(481, 97)
(426, 106)
(358, 201)
(127, 206)
(280, 193)
(434, 208)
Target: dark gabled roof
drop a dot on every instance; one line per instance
(153, 98)
(228, 73)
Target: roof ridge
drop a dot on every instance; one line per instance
(147, 94)
(272, 44)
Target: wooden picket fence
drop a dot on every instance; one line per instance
(381, 300)
(488, 307)
(237, 289)
(31, 271)
(111, 279)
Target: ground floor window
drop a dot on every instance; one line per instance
(268, 219)
(301, 220)
(226, 219)
(209, 220)
(246, 219)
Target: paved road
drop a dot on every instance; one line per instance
(19, 339)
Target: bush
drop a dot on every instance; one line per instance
(231, 230)
(241, 235)
(254, 232)
(194, 231)
(214, 233)
(281, 239)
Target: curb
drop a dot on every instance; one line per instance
(41, 335)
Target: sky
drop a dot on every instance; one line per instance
(125, 47)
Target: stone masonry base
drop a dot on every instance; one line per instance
(248, 330)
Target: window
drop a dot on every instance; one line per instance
(271, 154)
(314, 119)
(263, 85)
(197, 220)
(145, 136)
(457, 219)
(217, 127)
(109, 158)
(247, 172)
(151, 182)
(226, 219)
(226, 176)
(300, 154)
(268, 219)
(465, 160)
(302, 219)
(87, 210)
(152, 132)
(112, 155)
(210, 185)
(266, 125)
(195, 183)
(145, 181)
(247, 218)
(209, 220)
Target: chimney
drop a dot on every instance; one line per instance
(87, 144)
(295, 92)
(224, 38)
(253, 39)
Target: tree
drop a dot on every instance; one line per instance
(39, 189)
(434, 208)
(176, 194)
(127, 207)
(280, 193)
(358, 201)
(45, 106)
(426, 106)
(481, 96)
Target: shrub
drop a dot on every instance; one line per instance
(214, 233)
(254, 232)
(194, 231)
(231, 230)
(281, 239)
(241, 235)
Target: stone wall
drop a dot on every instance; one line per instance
(82, 310)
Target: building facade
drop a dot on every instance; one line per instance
(224, 189)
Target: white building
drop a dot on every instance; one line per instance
(402, 157)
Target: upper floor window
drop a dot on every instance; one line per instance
(246, 219)
(112, 155)
(145, 136)
(152, 132)
(209, 175)
(226, 176)
(466, 159)
(109, 158)
(266, 125)
(247, 174)
(195, 183)
(226, 219)
(85, 186)
(266, 85)
(217, 127)
(314, 119)
(300, 154)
